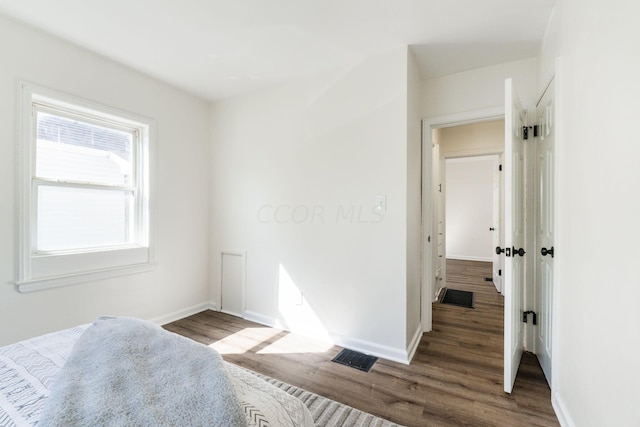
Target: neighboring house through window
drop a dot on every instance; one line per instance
(85, 191)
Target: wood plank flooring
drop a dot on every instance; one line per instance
(455, 378)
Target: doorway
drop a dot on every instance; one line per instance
(520, 162)
(470, 137)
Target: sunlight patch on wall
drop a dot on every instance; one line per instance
(296, 313)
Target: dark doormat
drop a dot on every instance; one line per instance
(355, 359)
(456, 297)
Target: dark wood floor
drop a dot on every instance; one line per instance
(455, 378)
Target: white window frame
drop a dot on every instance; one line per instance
(39, 270)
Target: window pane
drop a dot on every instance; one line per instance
(74, 218)
(72, 150)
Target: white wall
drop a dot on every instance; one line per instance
(471, 139)
(596, 370)
(469, 208)
(479, 89)
(180, 280)
(296, 172)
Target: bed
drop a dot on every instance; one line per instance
(125, 371)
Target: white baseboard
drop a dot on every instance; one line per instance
(469, 258)
(186, 312)
(372, 349)
(561, 411)
(367, 347)
(262, 319)
(415, 342)
(231, 313)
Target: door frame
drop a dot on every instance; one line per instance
(498, 214)
(555, 74)
(428, 264)
(550, 91)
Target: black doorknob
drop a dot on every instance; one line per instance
(520, 251)
(545, 251)
(498, 250)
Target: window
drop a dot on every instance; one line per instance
(84, 191)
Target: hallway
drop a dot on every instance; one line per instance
(469, 343)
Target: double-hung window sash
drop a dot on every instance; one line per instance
(84, 183)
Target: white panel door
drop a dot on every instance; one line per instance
(514, 223)
(545, 250)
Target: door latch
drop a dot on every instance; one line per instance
(545, 251)
(506, 251)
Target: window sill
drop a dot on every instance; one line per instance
(74, 279)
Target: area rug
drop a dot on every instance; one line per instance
(456, 297)
(327, 412)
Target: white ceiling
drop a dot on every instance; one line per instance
(222, 48)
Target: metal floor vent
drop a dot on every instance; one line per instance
(355, 359)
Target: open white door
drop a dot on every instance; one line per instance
(514, 226)
(545, 234)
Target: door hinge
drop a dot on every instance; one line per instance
(499, 272)
(500, 168)
(440, 188)
(527, 313)
(525, 131)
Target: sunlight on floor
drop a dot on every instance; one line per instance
(245, 340)
(268, 341)
(292, 343)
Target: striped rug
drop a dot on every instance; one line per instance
(327, 412)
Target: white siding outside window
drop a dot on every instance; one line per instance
(85, 191)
